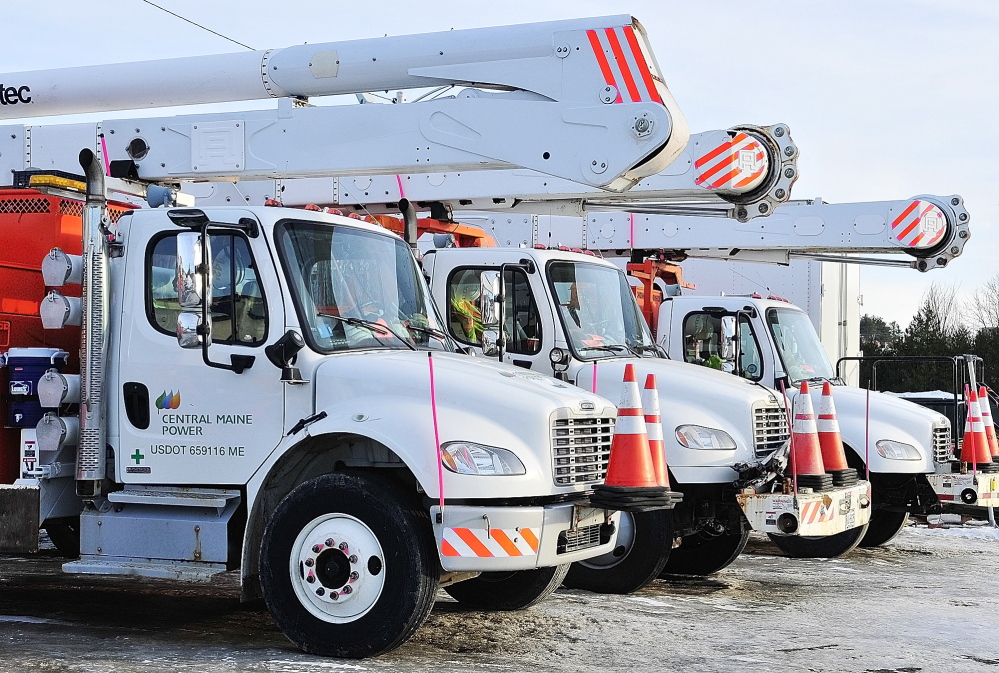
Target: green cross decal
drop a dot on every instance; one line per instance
(137, 457)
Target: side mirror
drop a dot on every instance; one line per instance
(194, 277)
(489, 292)
(490, 345)
(188, 323)
(728, 345)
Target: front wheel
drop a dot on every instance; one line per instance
(514, 590)
(703, 555)
(830, 546)
(348, 567)
(884, 526)
(643, 545)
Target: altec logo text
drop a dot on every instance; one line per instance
(12, 95)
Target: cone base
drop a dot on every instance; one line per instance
(847, 477)
(988, 468)
(995, 459)
(816, 482)
(625, 499)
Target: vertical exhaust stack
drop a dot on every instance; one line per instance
(90, 457)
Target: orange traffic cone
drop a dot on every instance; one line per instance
(990, 428)
(630, 462)
(806, 452)
(631, 484)
(975, 449)
(654, 427)
(831, 442)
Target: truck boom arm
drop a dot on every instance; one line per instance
(582, 100)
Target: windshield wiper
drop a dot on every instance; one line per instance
(436, 333)
(611, 348)
(376, 327)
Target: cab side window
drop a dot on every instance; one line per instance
(239, 312)
(523, 323)
(702, 344)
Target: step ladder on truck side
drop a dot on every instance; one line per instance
(272, 389)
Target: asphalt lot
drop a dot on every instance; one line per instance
(922, 603)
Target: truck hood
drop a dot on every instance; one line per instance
(385, 396)
(891, 418)
(691, 395)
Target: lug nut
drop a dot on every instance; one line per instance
(329, 542)
(354, 575)
(309, 562)
(764, 208)
(963, 217)
(342, 546)
(347, 590)
(790, 150)
(780, 193)
(311, 579)
(353, 558)
(955, 201)
(335, 596)
(779, 131)
(316, 548)
(320, 591)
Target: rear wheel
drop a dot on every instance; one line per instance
(830, 546)
(514, 590)
(884, 526)
(643, 545)
(703, 555)
(65, 535)
(348, 566)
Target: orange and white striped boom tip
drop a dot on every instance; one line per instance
(920, 225)
(737, 162)
(490, 542)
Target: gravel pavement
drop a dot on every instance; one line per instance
(921, 603)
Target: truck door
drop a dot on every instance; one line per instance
(181, 421)
(526, 325)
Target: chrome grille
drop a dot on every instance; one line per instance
(580, 449)
(769, 429)
(581, 538)
(942, 449)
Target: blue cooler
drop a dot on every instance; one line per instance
(25, 366)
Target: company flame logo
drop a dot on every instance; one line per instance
(169, 400)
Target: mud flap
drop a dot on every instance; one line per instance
(19, 518)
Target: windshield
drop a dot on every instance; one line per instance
(803, 355)
(598, 311)
(357, 289)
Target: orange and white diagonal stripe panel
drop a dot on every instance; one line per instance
(738, 162)
(920, 225)
(489, 543)
(816, 512)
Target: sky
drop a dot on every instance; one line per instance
(886, 99)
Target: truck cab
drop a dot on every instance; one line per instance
(574, 315)
(282, 398)
(777, 346)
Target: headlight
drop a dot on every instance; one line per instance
(697, 437)
(471, 458)
(888, 448)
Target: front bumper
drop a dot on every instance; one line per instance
(808, 514)
(487, 539)
(981, 490)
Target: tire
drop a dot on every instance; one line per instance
(643, 545)
(884, 526)
(702, 555)
(832, 546)
(506, 591)
(65, 535)
(394, 572)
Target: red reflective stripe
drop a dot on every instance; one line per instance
(914, 242)
(643, 66)
(448, 550)
(828, 416)
(652, 419)
(468, 537)
(630, 412)
(622, 64)
(725, 178)
(530, 538)
(905, 213)
(912, 225)
(715, 152)
(504, 541)
(605, 68)
(724, 163)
